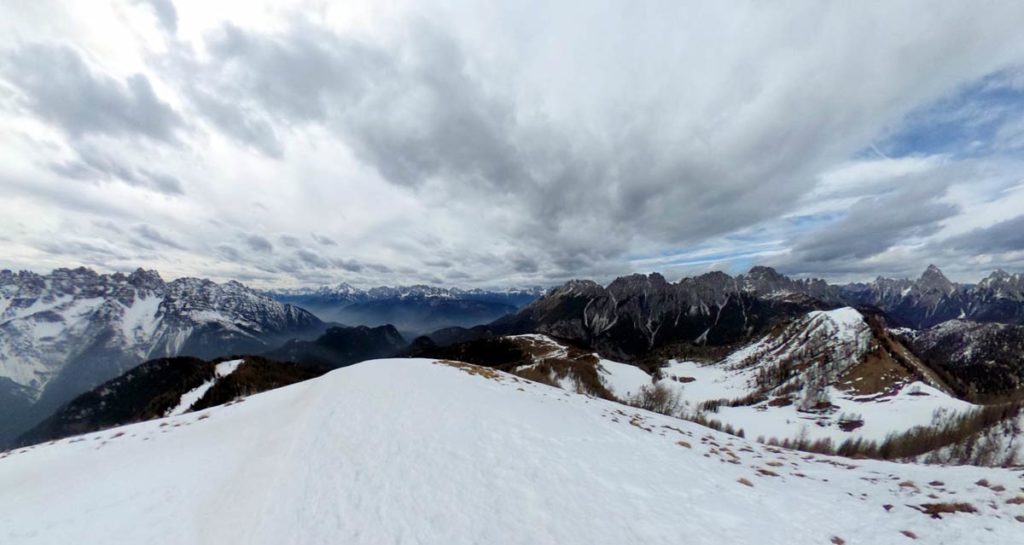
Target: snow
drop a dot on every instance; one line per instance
(897, 414)
(622, 379)
(190, 397)
(413, 451)
(914, 404)
(844, 335)
(140, 320)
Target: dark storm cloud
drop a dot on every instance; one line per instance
(94, 166)
(165, 13)
(258, 243)
(59, 87)
(1005, 236)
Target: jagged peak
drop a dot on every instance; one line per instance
(576, 286)
(763, 271)
(932, 278)
(145, 278)
(932, 271)
(639, 278)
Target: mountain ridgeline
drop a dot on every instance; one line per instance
(413, 310)
(635, 315)
(64, 333)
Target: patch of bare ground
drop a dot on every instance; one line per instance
(745, 481)
(475, 370)
(909, 534)
(936, 510)
(878, 374)
(909, 485)
(836, 540)
(1019, 500)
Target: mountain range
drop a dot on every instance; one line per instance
(413, 310)
(66, 332)
(63, 334)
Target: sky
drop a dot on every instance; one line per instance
(511, 143)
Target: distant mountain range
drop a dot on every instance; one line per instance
(64, 333)
(413, 310)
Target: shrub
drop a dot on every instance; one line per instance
(657, 398)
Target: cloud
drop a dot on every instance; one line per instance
(164, 11)
(92, 165)
(258, 243)
(500, 145)
(875, 224)
(151, 234)
(311, 259)
(1004, 236)
(324, 240)
(417, 111)
(59, 87)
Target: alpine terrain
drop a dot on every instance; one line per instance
(394, 450)
(63, 333)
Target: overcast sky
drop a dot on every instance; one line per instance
(513, 143)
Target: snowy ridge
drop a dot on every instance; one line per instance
(824, 376)
(345, 292)
(422, 455)
(188, 399)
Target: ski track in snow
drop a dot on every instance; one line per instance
(413, 451)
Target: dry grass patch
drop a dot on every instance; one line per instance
(1019, 500)
(936, 510)
(910, 485)
(745, 481)
(476, 370)
(683, 444)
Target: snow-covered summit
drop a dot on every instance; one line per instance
(417, 451)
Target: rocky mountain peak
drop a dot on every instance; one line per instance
(933, 280)
(144, 279)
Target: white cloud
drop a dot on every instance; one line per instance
(493, 143)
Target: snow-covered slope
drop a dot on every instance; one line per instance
(826, 375)
(415, 451)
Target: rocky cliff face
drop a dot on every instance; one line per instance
(636, 314)
(983, 360)
(933, 299)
